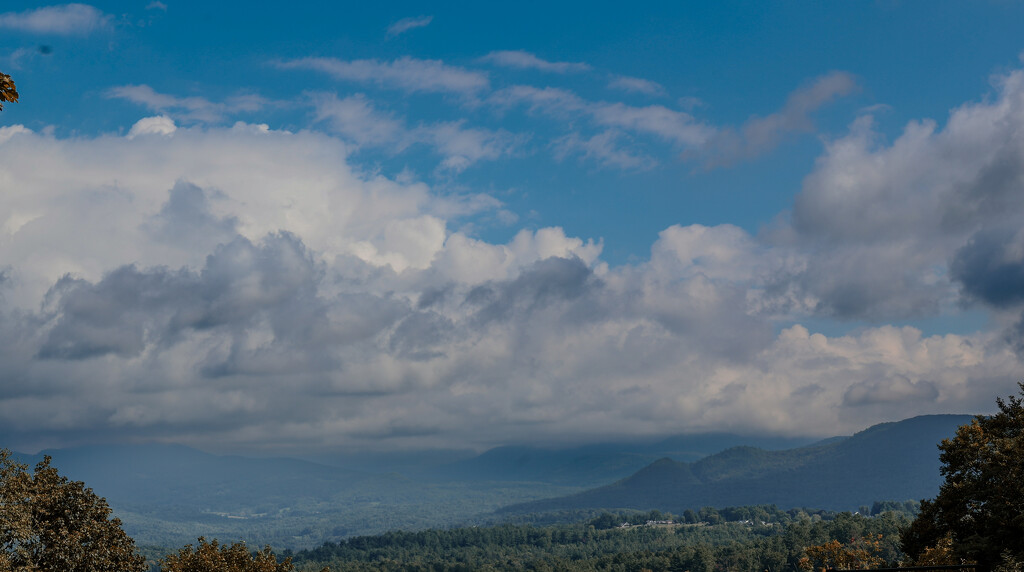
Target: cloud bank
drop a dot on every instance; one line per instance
(241, 287)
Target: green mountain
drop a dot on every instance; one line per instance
(891, 461)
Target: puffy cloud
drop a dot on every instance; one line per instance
(899, 229)
(12, 130)
(526, 60)
(63, 20)
(157, 125)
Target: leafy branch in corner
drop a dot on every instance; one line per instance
(8, 92)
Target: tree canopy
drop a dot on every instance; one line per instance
(980, 506)
(50, 523)
(8, 92)
(216, 557)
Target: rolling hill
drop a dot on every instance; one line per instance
(890, 461)
(170, 494)
(594, 464)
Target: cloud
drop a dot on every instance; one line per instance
(187, 108)
(462, 146)
(525, 60)
(10, 131)
(907, 228)
(62, 20)
(158, 125)
(674, 126)
(759, 135)
(602, 148)
(240, 285)
(248, 287)
(897, 389)
(636, 85)
(991, 266)
(406, 74)
(358, 120)
(654, 119)
(406, 24)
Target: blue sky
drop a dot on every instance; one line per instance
(256, 226)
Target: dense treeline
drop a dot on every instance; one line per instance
(744, 538)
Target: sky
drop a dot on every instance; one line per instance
(297, 228)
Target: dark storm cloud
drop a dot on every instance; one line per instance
(240, 284)
(990, 267)
(545, 283)
(890, 389)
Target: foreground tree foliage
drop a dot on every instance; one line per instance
(50, 523)
(978, 515)
(7, 90)
(215, 557)
(858, 554)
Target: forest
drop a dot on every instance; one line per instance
(738, 538)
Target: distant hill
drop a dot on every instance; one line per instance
(590, 465)
(890, 461)
(170, 494)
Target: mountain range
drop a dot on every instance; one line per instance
(170, 494)
(890, 461)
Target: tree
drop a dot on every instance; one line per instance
(860, 553)
(50, 523)
(980, 506)
(7, 90)
(215, 557)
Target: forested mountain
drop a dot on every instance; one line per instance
(888, 461)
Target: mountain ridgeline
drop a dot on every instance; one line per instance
(595, 464)
(170, 494)
(896, 461)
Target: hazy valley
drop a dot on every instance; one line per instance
(167, 495)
